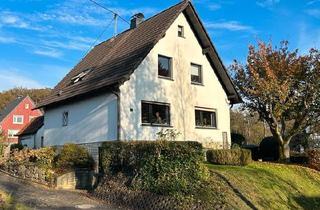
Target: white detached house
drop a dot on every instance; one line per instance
(163, 72)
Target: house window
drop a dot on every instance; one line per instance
(12, 133)
(180, 31)
(164, 66)
(205, 119)
(65, 118)
(154, 113)
(26, 106)
(17, 119)
(196, 74)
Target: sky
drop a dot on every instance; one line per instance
(41, 40)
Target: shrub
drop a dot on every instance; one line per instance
(237, 139)
(269, 149)
(43, 157)
(255, 151)
(314, 159)
(299, 158)
(73, 156)
(239, 157)
(16, 147)
(163, 167)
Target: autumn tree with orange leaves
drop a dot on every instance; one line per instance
(283, 87)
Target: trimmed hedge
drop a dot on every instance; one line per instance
(314, 159)
(162, 167)
(239, 157)
(73, 156)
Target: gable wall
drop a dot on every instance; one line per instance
(7, 123)
(144, 84)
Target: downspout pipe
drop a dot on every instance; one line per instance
(117, 94)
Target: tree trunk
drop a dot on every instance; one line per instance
(284, 152)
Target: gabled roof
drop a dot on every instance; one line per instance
(10, 107)
(113, 61)
(32, 127)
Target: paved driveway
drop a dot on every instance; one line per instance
(38, 197)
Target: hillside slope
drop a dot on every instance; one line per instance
(268, 186)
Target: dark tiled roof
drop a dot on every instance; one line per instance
(32, 127)
(10, 107)
(113, 61)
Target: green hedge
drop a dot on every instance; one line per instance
(73, 156)
(239, 157)
(163, 167)
(314, 159)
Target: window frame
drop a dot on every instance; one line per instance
(182, 31)
(26, 106)
(201, 74)
(65, 118)
(170, 77)
(202, 109)
(150, 113)
(14, 131)
(14, 119)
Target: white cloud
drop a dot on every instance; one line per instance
(313, 12)
(308, 38)
(7, 40)
(15, 20)
(53, 53)
(313, 2)
(267, 3)
(229, 25)
(214, 6)
(13, 78)
(70, 45)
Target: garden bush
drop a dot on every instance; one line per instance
(162, 167)
(16, 147)
(269, 149)
(238, 139)
(73, 156)
(255, 151)
(239, 157)
(314, 159)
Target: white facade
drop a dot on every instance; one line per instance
(32, 140)
(90, 120)
(95, 119)
(183, 97)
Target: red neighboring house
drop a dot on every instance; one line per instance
(15, 116)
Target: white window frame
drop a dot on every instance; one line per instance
(182, 31)
(15, 117)
(27, 106)
(203, 109)
(12, 133)
(170, 77)
(200, 74)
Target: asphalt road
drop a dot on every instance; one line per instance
(40, 197)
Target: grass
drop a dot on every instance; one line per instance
(7, 202)
(268, 186)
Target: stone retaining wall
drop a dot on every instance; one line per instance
(30, 172)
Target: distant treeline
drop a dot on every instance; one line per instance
(35, 94)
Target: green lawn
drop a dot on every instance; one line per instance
(268, 186)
